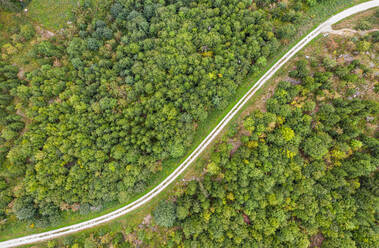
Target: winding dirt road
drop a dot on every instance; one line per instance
(324, 27)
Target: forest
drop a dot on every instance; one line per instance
(120, 92)
(306, 170)
(301, 171)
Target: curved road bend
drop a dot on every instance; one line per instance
(34, 238)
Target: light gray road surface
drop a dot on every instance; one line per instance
(324, 27)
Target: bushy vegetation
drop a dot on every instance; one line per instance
(368, 22)
(125, 89)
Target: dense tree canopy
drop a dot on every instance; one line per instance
(306, 173)
(301, 172)
(126, 89)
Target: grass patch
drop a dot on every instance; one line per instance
(8, 23)
(316, 16)
(51, 14)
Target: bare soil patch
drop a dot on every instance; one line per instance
(45, 34)
(316, 240)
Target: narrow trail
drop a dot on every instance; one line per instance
(349, 31)
(323, 27)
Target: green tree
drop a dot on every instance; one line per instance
(164, 214)
(315, 147)
(24, 208)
